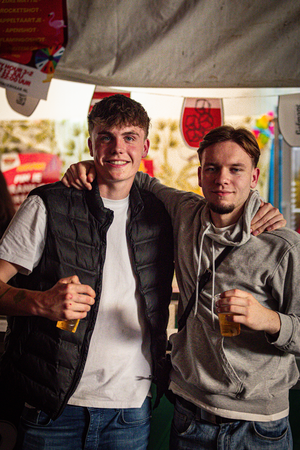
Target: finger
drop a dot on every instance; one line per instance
(88, 298)
(272, 224)
(90, 179)
(69, 176)
(264, 213)
(74, 179)
(85, 181)
(77, 289)
(267, 218)
(78, 185)
(86, 174)
(81, 303)
(75, 311)
(278, 224)
(79, 181)
(65, 180)
(86, 290)
(70, 280)
(233, 293)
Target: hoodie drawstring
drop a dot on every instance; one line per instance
(199, 269)
(213, 286)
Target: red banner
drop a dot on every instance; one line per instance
(25, 171)
(198, 117)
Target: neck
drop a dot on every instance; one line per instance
(114, 191)
(224, 220)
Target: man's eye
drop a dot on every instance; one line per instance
(105, 138)
(235, 170)
(129, 138)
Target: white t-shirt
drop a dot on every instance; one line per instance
(117, 373)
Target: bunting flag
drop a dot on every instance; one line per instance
(198, 117)
(99, 94)
(289, 118)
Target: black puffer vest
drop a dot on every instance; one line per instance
(45, 363)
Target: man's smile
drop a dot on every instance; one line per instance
(117, 162)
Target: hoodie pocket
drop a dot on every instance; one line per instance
(198, 354)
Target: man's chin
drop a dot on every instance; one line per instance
(221, 209)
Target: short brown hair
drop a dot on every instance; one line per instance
(118, 110)
(241, 136)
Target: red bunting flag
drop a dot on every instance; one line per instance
(198, 117)
(99, 94)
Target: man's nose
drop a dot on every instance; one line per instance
(222, 176)
(118, 145)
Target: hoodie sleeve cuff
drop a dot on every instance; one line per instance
(283, 338)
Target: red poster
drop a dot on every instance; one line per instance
(25, 171)
(198, 117)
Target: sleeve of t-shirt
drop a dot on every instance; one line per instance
(24, 240)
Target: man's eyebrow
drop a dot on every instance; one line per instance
(136, 133)
(103, 132)
(125, 133)
(238, 165)
(208, 163)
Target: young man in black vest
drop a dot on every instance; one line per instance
(103, 256)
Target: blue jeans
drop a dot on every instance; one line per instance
(190, 434)
(80, 428)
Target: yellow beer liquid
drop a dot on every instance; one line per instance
(68, 325)
(228, 329)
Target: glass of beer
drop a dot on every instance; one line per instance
(227, 328)
(68, 325)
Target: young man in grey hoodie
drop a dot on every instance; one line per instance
(232, 392)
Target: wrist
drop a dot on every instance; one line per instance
(274, 325)
(35, 303)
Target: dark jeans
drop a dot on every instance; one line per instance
(80, 428)
(190, 434)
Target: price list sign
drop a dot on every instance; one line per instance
(33, 36)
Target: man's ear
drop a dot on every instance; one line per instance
(199, 177)
(146, 148)
(255, 176)
(90, 146)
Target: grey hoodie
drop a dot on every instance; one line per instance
(246, 377)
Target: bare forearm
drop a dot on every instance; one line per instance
(68, 299)
(17, 302)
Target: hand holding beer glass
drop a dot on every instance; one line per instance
(227, 328)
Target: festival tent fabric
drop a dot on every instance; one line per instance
(183, 43)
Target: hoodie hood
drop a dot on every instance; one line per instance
(237, 234)
(234, 236)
